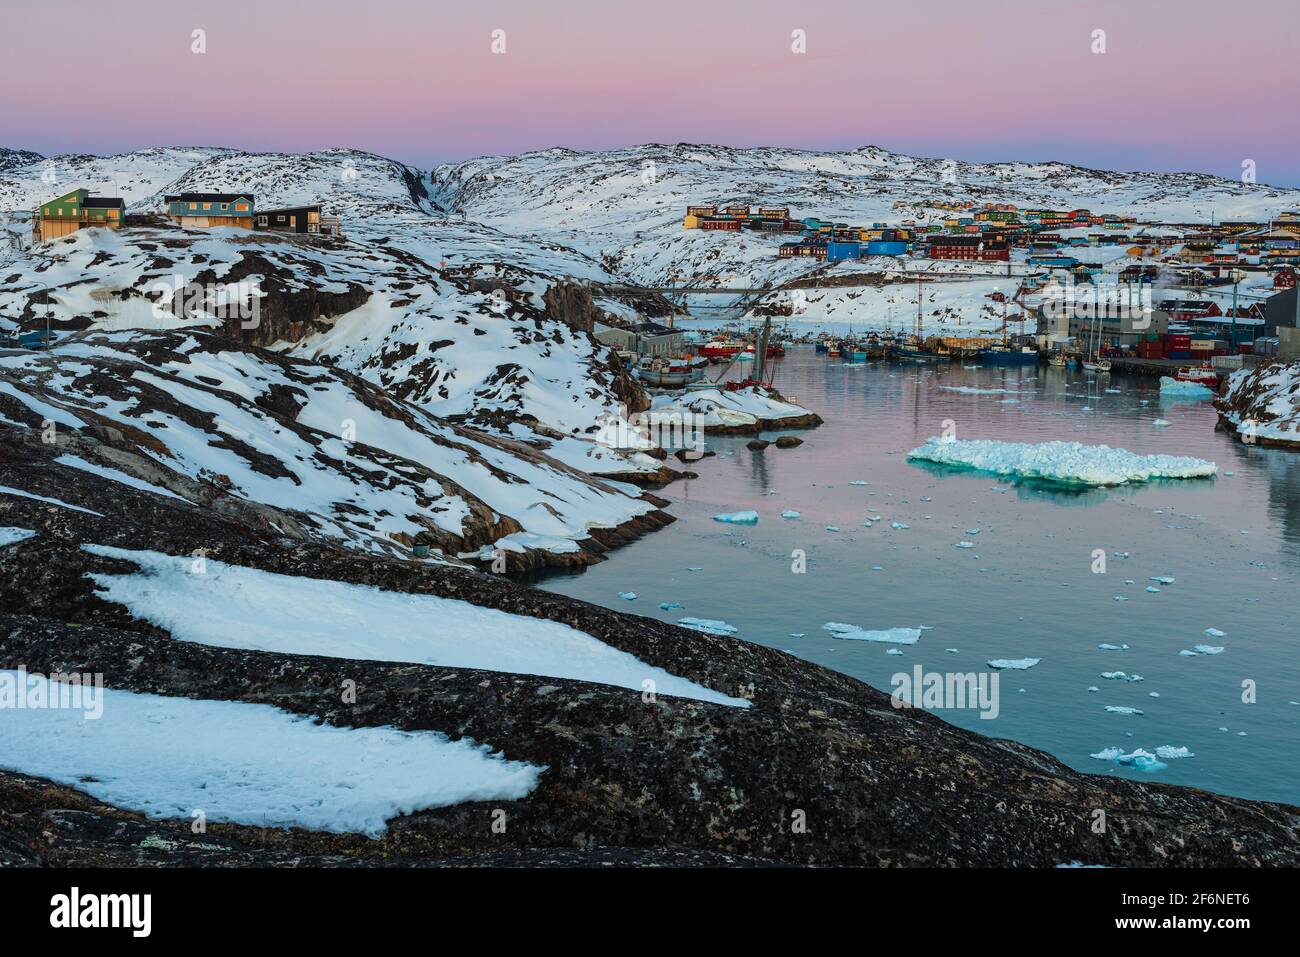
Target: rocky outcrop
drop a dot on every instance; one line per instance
(820, 770)
(1261, 406)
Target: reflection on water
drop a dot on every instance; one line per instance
(1026, 586)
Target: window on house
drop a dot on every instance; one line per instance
(241, 207)
(207, 205)
(194, 205)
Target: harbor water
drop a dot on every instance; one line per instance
(1026, 584)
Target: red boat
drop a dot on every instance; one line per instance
(721, 348)
(1202, 375)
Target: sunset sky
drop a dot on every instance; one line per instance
(1183, 85)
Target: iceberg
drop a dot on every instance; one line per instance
(1214, 633)
(1123, 709)
(1067, 463)
(893, 636)
(627, 595)
(790, 513)
(737, 518)
(1209, 649)
(1192, 390)
(1014, 664)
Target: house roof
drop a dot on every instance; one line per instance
(207, 197)
(652, 329)
(103, 202)
(288, 209)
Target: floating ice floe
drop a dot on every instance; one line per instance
(894, 651)
(893, 636)
(1071, 463)
(737, 518)
(1209, 649)
(1120, 676)
(1174, 387)
(832, 528)
(1123, 709)
(1161, 579)
(1109, 647)
(1012, 664)
(670, 605)
(1153, 589)
(964, 545)
(1160, 422)
(973, 531)
(1142, 760)
(790, 513)
(859, 482)
(627, 595)
(710, 626)
(1214, 633)
(230, 606)
(899, 525)
(12, 534)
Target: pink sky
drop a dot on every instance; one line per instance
(1184, 84)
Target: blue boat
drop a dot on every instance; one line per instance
(1008, 357)
(822, 347)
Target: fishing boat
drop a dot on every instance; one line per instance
(1059, 359)
(668, 373)
(833, 350)
(1097, 365)
(1006, 356)
(1201, 375)
(722, 348)
(821, 346)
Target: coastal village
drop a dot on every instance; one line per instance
(1226, 290)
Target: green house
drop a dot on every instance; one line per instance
(73, 210)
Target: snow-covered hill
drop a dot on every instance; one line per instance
(299, 447)
(27, 179)
(627, 205)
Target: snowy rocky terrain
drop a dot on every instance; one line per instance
(225, 517)
(1262, 405)
(625, 207)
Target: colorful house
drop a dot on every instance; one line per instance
(298, 219)
(203, 210)
(71, 211)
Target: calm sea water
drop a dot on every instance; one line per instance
(1028, 588)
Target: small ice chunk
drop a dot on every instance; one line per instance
(1160, 422)
(859, 482)
(1120, 676)
(1169, 752)
(832, 528)
(737, 518)
(709, 626)
(1110, 647)
(899, 525)
(789, 513)
(1123, 709)
(670, 605)
(628, 595)
(1209, 649)
(1013, 664)
(1152, 588)
(1161, 579)
(1214, 633)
